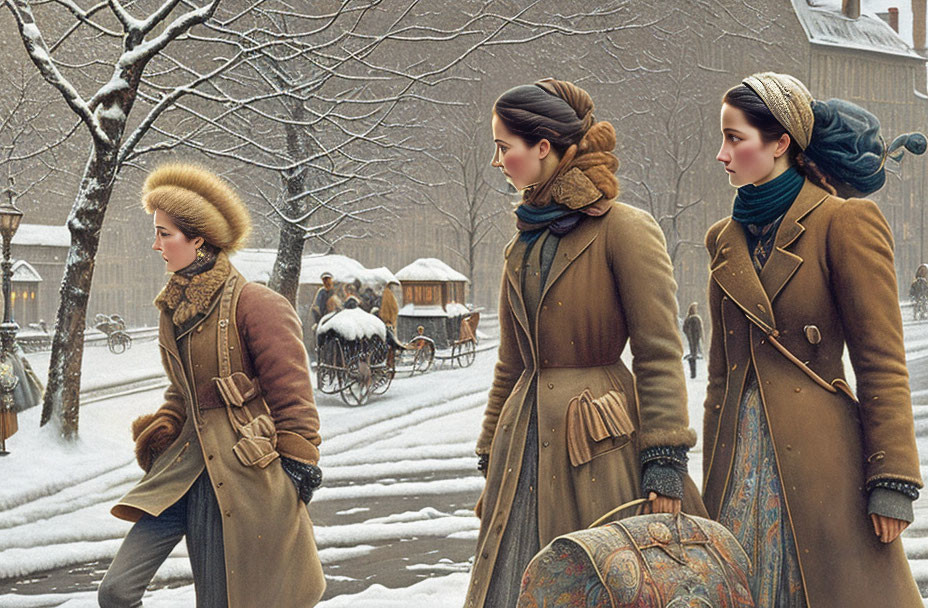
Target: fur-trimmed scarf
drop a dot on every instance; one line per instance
(583, 183)
(188, 297)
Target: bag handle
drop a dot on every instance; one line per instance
(632, 503)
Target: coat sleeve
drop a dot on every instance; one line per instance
(509, 367)
(717, 364)
(863, 281)
(644, 279)
(273, 336)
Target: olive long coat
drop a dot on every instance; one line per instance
(829, 282)
(611, 283)
(270, 553)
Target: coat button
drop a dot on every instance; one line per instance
(210, 457)
(717, 407)
(199, 328)
(228, 513)
(550, 385)
(813, 334)
(545, 444)
(798, 390)
(761, 308)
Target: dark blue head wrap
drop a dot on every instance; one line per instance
(847, 146)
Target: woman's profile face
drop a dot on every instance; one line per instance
(176, 249)
(748, 159)
(520, 163)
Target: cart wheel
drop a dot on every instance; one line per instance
(425, 354)
(467, 352)
(358, 381)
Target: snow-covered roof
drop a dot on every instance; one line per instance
(826, 25)
(257, 265)
(453, 309)
(353, 324)
(24, 272)
(430, 269)
(344, 270)
(42, 234)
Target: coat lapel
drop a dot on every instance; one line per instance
(783, 264)
(515, 257)
(571, 246)
(733, 269)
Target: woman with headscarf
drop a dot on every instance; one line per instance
(815, 482)
(569, 433)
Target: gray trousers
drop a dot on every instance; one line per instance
(152, 539)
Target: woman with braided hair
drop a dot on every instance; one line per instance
(815, 482)
(230, 458)
(569, 433)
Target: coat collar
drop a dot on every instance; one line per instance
(733, 269)
(186, 297)
(570, 246)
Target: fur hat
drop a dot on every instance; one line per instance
(198, 198)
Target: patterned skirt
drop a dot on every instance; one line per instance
(754, 510)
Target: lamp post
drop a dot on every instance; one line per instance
(10, 217)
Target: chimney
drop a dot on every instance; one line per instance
(851, 8)
(918, 26)
(894, 19)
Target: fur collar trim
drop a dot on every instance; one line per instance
(186, 297)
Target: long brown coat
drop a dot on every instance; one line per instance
(832, 268)
(270, 553)
(611, 283)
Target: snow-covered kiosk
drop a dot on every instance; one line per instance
(433, 297)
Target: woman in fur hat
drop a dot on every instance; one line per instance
(230, 458)
(815, 482)
(566, 436)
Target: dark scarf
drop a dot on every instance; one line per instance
(760, 205)
(187, 296)
(584, 183)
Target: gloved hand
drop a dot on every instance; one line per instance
(306, 477)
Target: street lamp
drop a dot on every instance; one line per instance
(10, 217)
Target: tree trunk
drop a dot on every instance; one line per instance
(62, 393)
(285, 278)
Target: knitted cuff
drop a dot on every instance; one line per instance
(903, 487)
(664, 480)
(666, 455)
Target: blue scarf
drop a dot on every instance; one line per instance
(760, 205)
(559, 219)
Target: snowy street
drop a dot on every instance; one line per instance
(392, 521)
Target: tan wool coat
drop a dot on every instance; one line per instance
(829, 283)
(611, 284)
(270, 553)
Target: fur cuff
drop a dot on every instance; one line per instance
(296, 447)
(153, 438)
(659, 437)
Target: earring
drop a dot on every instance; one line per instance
(200, 254)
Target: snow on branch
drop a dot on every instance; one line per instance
(38, 53)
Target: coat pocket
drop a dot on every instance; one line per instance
(596, 426)
(258, 444)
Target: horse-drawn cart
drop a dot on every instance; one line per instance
(353, 358)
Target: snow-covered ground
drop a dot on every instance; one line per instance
(392, 521)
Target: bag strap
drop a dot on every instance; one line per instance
(772, 334)
(225, 308)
